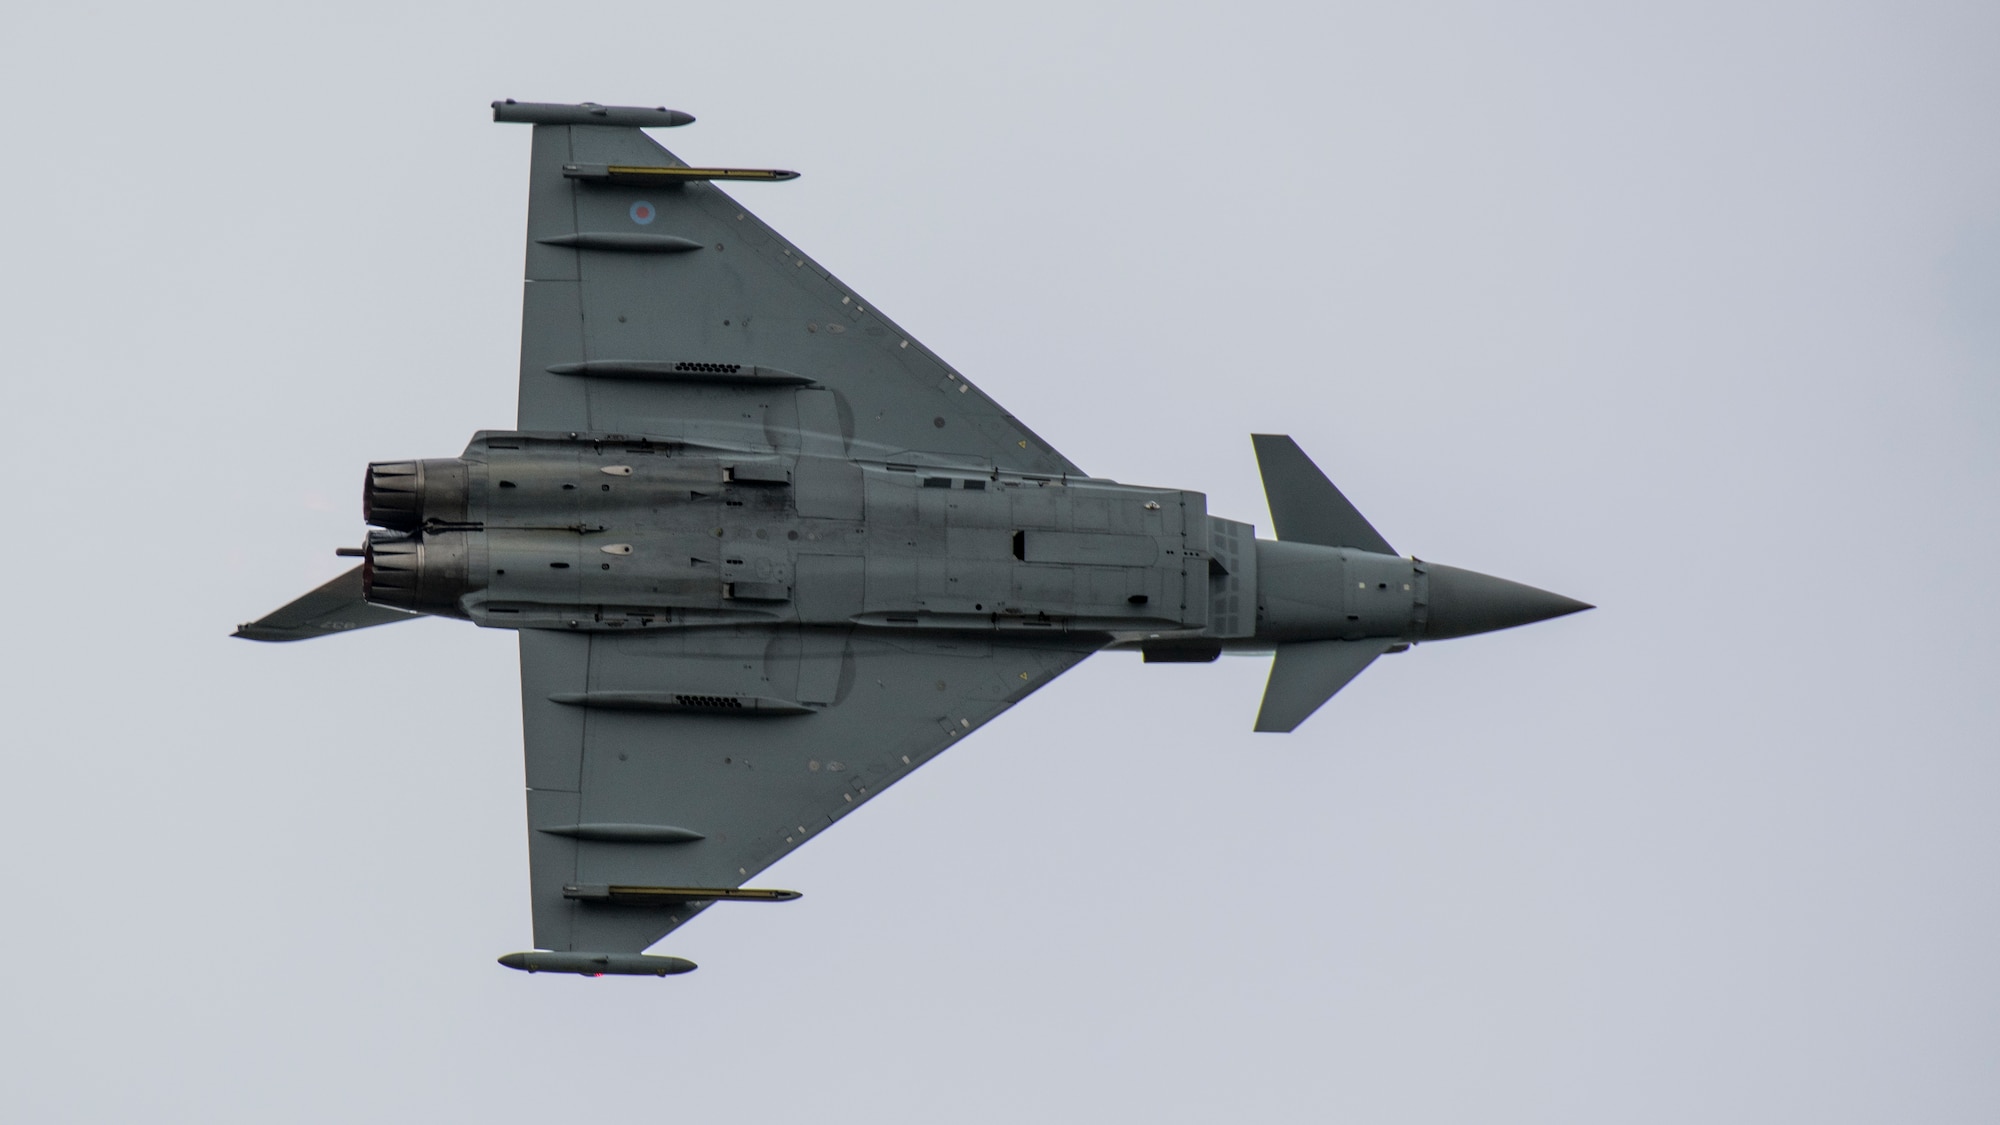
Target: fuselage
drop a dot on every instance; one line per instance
(603, 533)
(607, 532)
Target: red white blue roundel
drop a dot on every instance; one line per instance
(643, 212)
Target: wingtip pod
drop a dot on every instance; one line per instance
(589, 113)
(597, 964)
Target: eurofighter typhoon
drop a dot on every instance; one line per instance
(767, 554)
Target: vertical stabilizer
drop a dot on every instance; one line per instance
(336, 607)
(1305, 506)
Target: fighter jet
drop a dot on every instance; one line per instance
(766, 553)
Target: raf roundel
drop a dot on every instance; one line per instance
(643, 212)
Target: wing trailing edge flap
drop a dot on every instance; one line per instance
(1305, 675)
(644, 806)
(1305, 506)
(336, 607)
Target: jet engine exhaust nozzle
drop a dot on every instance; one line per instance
(406, 495)
(423, 572)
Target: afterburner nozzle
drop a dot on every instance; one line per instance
(407, 495)
(1465, 602)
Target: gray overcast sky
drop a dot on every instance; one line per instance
(1688, 310)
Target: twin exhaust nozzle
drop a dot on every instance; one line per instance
(402, 566)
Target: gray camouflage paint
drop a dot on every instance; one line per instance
(767, 554)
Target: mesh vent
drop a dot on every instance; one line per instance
(709, 702)
(708, 368)
(1227, 547)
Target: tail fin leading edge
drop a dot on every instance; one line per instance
(336, 607)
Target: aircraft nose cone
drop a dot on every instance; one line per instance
(1464, 602)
